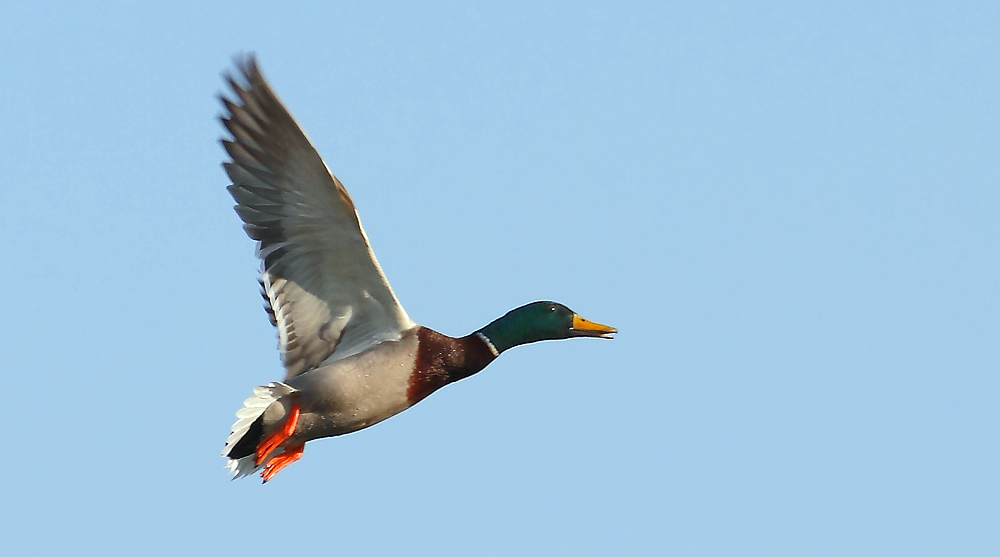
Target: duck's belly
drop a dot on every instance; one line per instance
(356, 392)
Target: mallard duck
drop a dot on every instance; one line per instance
(352, 356)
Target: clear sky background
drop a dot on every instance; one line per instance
(790, 211)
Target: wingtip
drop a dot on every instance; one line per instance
(246, 72)
(245, 61)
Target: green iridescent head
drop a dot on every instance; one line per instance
(541, 321)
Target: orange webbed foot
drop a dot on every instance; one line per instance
(275, 439)
(278, 462)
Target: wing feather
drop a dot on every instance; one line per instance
(326, 293)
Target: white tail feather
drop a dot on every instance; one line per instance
(240, 467)
(252, 409)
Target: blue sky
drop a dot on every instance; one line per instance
(789, 210)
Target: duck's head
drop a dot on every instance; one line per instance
(541, 321)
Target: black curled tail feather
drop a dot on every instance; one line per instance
(247, 445)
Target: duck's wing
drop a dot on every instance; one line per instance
(326, 293)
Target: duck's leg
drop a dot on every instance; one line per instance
(279, 436)
(278, 462)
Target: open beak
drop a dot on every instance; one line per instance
(583, 328)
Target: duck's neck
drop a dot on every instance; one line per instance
(442, 359)
(513, 329)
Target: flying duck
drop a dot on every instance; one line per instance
(352, 355)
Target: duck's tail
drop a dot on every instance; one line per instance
(248, 431)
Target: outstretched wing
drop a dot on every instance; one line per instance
(328, 296)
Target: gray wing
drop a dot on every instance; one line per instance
(327, 294)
